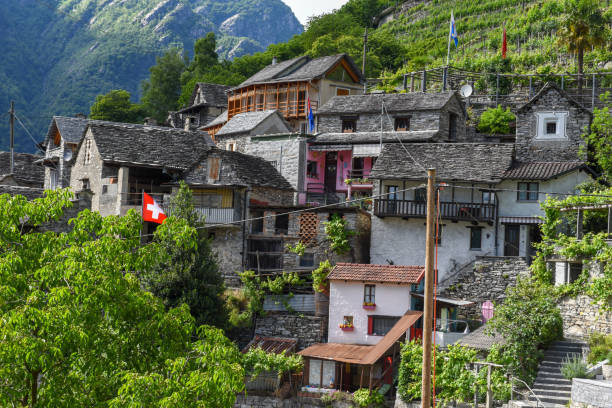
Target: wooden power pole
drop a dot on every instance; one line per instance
(12, 134)
(429, 276)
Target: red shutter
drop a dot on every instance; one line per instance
(370, 325)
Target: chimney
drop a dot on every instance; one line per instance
(274, 61)
(80, 116)
(149, 121)
(187, 123)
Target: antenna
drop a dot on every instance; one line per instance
(466, 90)
(67, 155)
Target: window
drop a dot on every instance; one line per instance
(53, 179)
(85, 185)
(349, 125)
(347, 321)
(358, 165)
(566, 272)
(307, 260)
(402, 124)
(231, 147)
(105, 189)
(281, 224)
(476, 238)
(527, 191)
(488, 197)
(312, 169)
(381, 325)
(452, 126)
(342, 91)
(257, 223)
(574, 271)
(369, 292)
(420, 194)
(392, 192)
(551, 125)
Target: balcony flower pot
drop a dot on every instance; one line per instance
(369, 307)
(346, 328)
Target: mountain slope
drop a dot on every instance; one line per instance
(60, 54)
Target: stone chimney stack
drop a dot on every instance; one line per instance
(274, 60)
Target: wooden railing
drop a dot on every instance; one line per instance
(448, 210)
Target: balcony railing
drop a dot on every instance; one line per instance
(54, 153)
(448, 210)
(218, 215)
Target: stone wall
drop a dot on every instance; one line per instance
(271, 196)
(581, 317)
(227, 244)
(370, 122)
(487, 280)
(308, 330)
(254, 401)
(591, 393)
(528, 148)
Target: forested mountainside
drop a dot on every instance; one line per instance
(57, 55)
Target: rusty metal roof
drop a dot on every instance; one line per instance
(272, 344)
(377, 273)
(360, 354)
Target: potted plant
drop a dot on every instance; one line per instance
(348, 181)
(346, 325)
(369, 305)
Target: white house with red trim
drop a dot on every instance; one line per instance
(367, 300)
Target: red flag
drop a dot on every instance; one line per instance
(151, 211)
(504, 45)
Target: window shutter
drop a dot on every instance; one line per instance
(370, 325)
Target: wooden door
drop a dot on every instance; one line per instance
(512, 240)
(331, 171)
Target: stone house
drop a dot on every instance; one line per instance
(206, 103)
(235, 134)
(27, 171)
(61, 142)
(369, 313)
(287, 86)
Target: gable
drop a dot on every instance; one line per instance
(340, 73)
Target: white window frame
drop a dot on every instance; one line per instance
(558, 117)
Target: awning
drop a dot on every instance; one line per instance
(358, 354)
(520, 220)
(329, 148)
(448, 301)
(366, 150)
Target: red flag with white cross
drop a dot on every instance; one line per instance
(151, 211)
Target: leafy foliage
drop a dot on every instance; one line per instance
(363, 397)
(600, 346)
(599, 139)
(496, 120)
(338, 234)
(527, 320)
(116, 106)
(574, 367)
(319, 276)
(257, 361)
(189, 275)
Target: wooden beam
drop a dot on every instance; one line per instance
(370, 385)
(361, 378)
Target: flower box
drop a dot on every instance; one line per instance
(346, 328)
(369, 307)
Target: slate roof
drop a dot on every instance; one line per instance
(298, 69)
(371, 103)
(479, 340)
(374, 137)
(541, 170)
(545, 89)
(247, 121)
(25, 170)
(377, 273)
(237, 169)
(219, 120)
(28, 192)
(71, 129)
(474, 162)
(152, 146)
(214, 95)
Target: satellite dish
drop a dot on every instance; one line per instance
(67, 155)
(466, 90)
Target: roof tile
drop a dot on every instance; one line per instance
(541, 170)
(377, 273)
(371, 103)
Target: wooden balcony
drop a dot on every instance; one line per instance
(448, 210)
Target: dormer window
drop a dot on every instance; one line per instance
(349, 125)
(402, 124)
(551, 125)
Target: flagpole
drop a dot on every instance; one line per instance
(449, 40)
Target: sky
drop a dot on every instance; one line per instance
(306, 8)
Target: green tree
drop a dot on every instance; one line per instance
(527, 320)
(72, 313)
(599, 139)
(189, 275)
(205, 60)
(496, 121)
(583, 26)
(160, 93)
(116, 106)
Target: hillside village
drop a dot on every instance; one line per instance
(306, 176)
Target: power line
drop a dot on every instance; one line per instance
(523, 191)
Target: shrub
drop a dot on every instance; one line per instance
(496, 120)
(366, 398)
(574, 367)
(600, 347)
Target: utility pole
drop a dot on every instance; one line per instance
(12, 132)
(363, 61)
(428, 307)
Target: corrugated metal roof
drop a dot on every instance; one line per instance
(272, 344)
(377, 273)
(299, 303)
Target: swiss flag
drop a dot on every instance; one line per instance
(151, 211)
